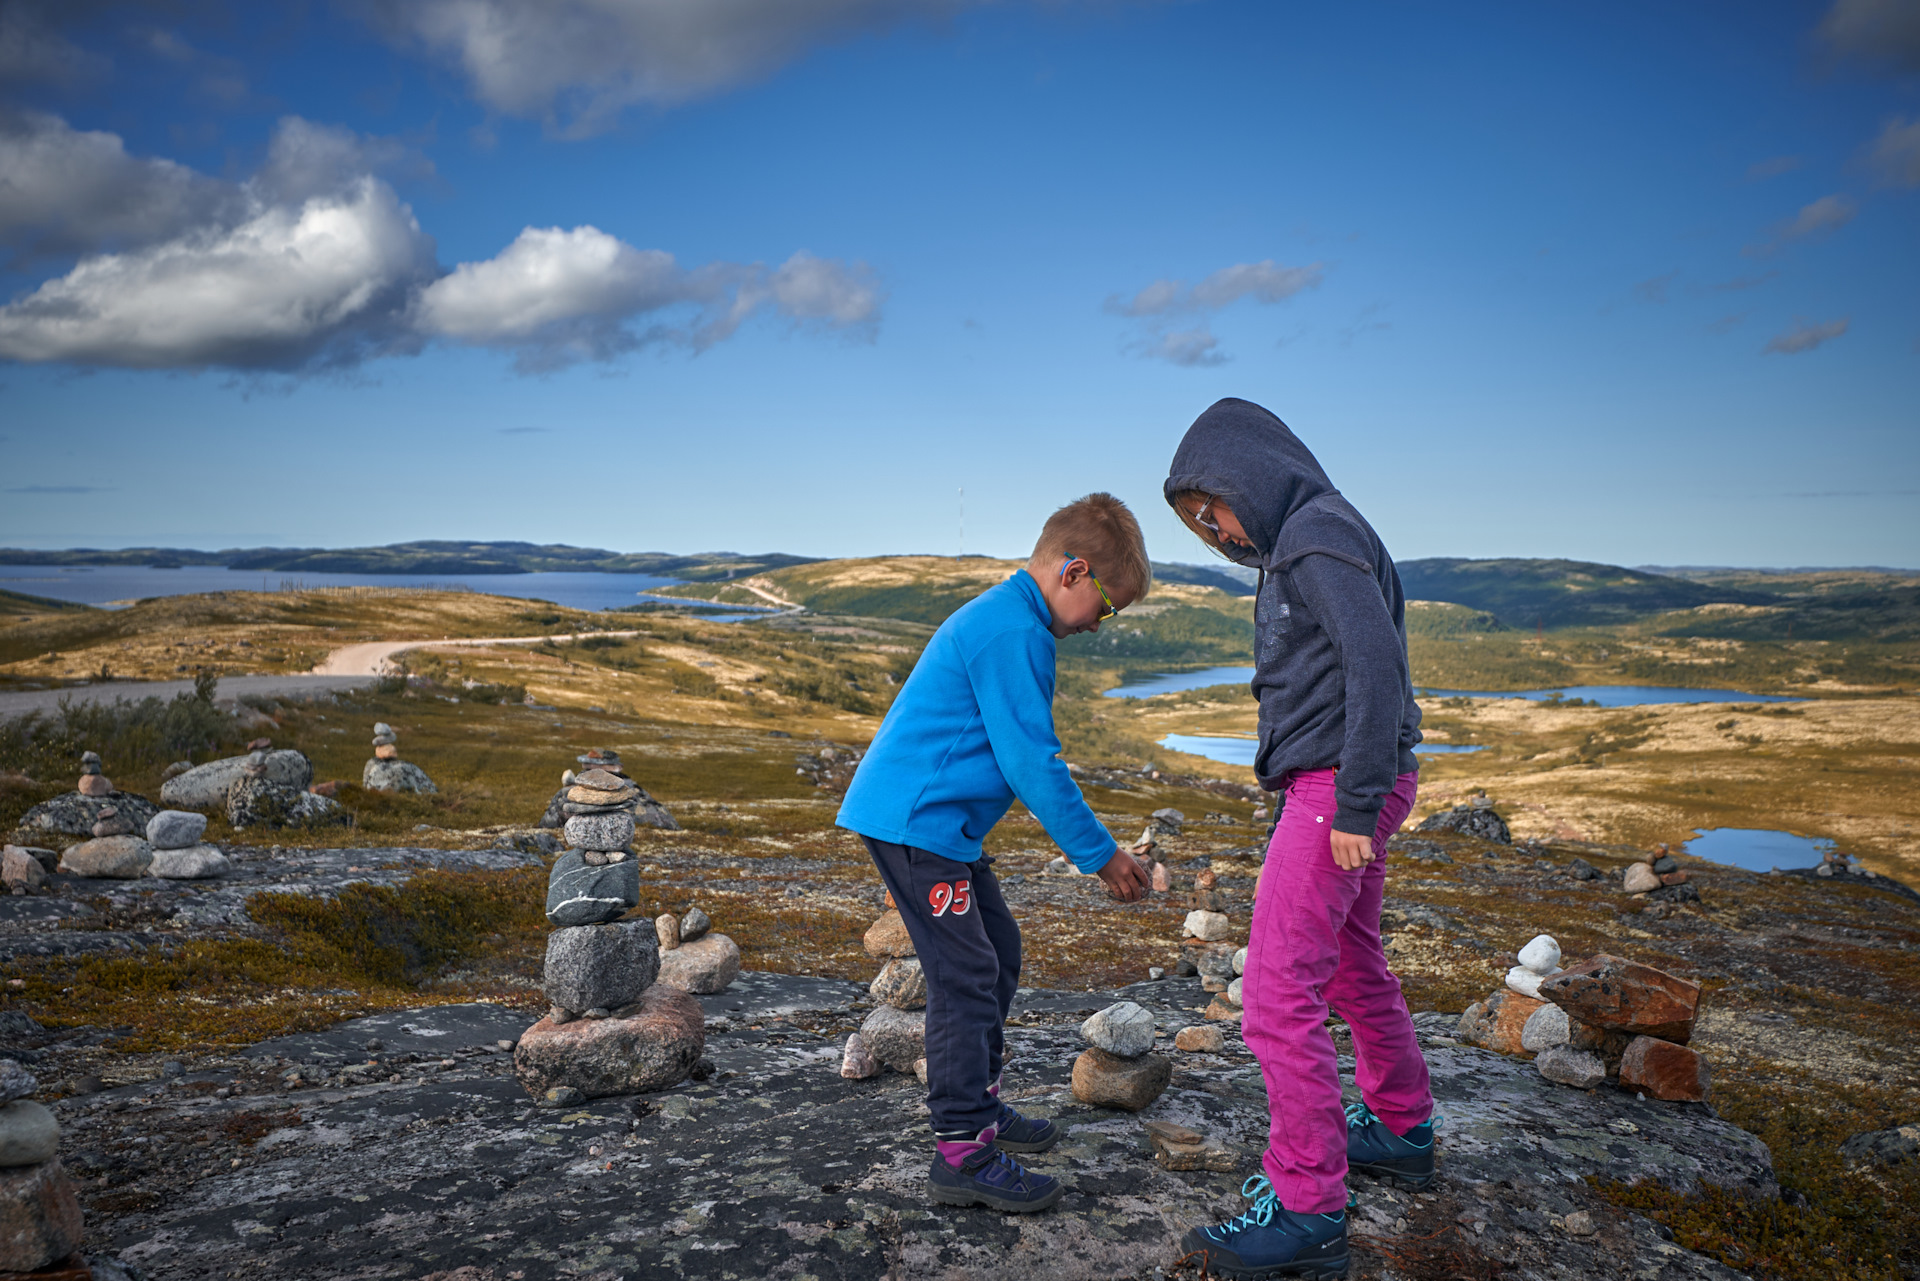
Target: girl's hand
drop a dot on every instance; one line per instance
(1351, 852)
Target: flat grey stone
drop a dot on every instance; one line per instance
(1124, 1029)
(702, 967)
(896, 1037)
(175, 829)
(1582, 1069)
(612, 831)
(28, 1134)
(600, 966)
(581, 895)
(694, 925)
(195, 863)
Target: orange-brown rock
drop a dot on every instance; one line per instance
(1619, 995)
(1665, 1071)
(95, 785)
(386, 752)
(888, 937)
(1223, 1009)
(1495, 1023)
(1673, 878)
(1608, 1045)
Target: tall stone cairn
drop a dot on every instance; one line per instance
(895, 1034)
(386, 772)
(39, 1212)
(646, 811)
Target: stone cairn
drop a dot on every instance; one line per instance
(178, 852)
(643, 809)
(257, 799)
(895, 1034)
(94, 801)
(386, 772)
(1603, 1019)
(206, 786)
(692, 956)
(39, 1213)
(613, 1029)
(1207, 948)
(1119, 1069)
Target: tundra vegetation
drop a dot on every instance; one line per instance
(1813, 1011)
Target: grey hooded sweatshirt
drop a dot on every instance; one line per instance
(1330, 630)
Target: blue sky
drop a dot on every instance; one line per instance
(1635, 286)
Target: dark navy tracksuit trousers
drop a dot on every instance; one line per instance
(969, 949)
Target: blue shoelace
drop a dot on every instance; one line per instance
(1265, 1204)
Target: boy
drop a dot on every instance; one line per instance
(971, 730)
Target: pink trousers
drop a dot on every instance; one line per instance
(1315, 944)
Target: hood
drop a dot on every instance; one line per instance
(1253, 463)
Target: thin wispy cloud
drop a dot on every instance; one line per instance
(1805, 337)
(1895, 155)
(1772, 168)
(1814, 221)
(1654, 290)
(1161, 304)
(1739, 283)
(1726, 324)
(1884, 34)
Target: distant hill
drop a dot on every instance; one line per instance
(427, 557)
(20, 605)
(1563, 593)
(1231, 579)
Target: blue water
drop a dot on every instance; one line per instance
(104, 584)
(1174, 682)
(1756, 849)
(1240, 751)
(1619, 695)
(1443, 749)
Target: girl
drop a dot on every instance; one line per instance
(1337, 727)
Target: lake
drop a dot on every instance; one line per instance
(1605, 695)
(1756, 849)
(105, 584)
(1240, 751)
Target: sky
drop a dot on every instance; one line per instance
(1635, 283)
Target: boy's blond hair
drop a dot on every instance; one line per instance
(1101, 531)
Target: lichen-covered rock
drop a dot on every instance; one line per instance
(1664, 1070)
(195, 863)
(119, 858)
(1108, 1081)
(702, 967)
(74, 815)
(1624, 996)
(28, 1134)
(39, 1216)
(580, 894)
(1545, 1028)
(175, 829)
(649, 1045)
(261, 802)
(1497, 1022)
(896, 1037)
(395, 776)
(888, 937)
(1124, 1029)
(694, 925)
(1884, 1147)
(1469, 820)
(600, 966)
(600, 831)
(205, 786)
(901, 984)
(1565, 1065)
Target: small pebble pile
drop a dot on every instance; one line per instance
(1658, 875)
(1119, 1069)
(1603, 1019)
(895, 1034)
(629, 796)
(693, 957)
(386, 772)
(613, 1029)
(39, 1212)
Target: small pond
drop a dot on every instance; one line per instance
(1756, 849)
(1174, 682)
(1240, 751)
(1616, 695)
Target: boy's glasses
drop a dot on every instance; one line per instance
(1110, 609)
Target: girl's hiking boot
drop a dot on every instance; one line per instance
(991, 1178)
(1406, 1159)
(1270, 1241)
(1016, 1133)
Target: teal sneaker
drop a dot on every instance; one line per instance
(1373, 1149)
(1270, 1241)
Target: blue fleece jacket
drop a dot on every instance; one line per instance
(971, 730)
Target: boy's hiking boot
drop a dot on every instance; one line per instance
(1270, 1241)
(969, 1170)
(1375, 1150)
(1016, 1133)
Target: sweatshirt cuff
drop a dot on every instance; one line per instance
(1092, 865)
(1356, 822)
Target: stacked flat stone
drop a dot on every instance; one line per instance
(613, 1028)
(1207, 948)
(178, 852)
(1119, 1069)
(1658, 876)
(257, 799)
(1227, 1004)
(895, 1034)
(386, 772)
(39, 1213)
(644, 810)
(1603, 1019)
(693, 956)
(94, 808)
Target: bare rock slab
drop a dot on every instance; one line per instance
(702, 967)
(1109, 1081)
(647, 1046)
(118, 858)
(896, 1037)
(1619, 995)
(600, 966)
(39, 1216)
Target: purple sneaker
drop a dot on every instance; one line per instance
(992, 1178)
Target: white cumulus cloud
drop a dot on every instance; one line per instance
(1265, 282)
(578, 63)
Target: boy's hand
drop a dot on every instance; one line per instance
(1126, 879)
(1351, 851)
